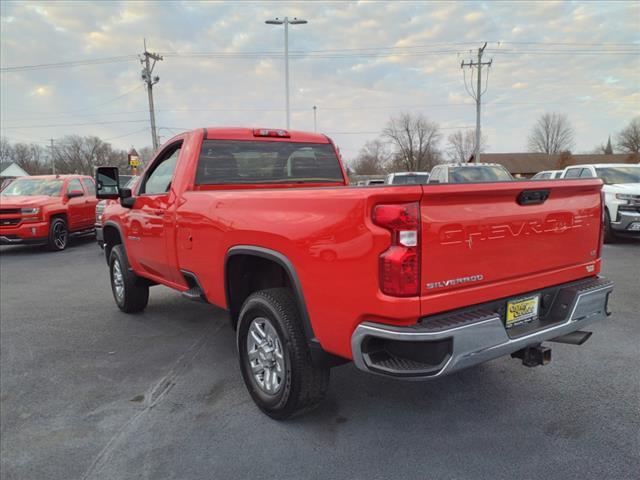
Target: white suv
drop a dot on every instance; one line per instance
(621, 194)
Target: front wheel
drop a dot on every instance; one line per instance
(58, 235)
(609, 234)
(274, 357)
(130, 292)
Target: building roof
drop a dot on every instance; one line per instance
(529, 163)
(12, 170)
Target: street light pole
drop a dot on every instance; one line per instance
(286, 22)
(315, 118)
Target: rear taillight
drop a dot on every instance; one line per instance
(400, 263)
(602, 220)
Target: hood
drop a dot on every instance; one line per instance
(22, 201)
(631, 188)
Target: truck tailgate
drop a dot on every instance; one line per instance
(480, 243)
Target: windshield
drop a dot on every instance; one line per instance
(410, 179)
(32, 187)
(611, 175)
(481, 173)
(229, 161)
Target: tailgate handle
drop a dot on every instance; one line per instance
(532, 197)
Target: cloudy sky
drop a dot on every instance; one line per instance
(358, 62)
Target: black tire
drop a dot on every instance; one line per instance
(609, 235)
(58, 238)
(134, 293)
(302, 385)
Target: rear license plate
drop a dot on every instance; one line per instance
(522, 310)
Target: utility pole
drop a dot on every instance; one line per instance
(147, 70)
(477, 93)
(315, 118)
(53, 159)
(286, 21)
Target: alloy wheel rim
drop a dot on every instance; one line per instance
(118, 280)
(265, 356)
(60, 235)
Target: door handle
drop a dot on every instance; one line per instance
(532, 197)
(158, 212)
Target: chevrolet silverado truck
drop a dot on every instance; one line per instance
(411, 282)
(46, 209)
(621, 192)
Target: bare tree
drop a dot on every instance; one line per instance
(461, 145)
(552, 134)
(6, 151)
(75, 154)
(628, 140)
(372, 159)
(29, 157)
(415, 140)
(146, 155)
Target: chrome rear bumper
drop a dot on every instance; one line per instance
(468, 338)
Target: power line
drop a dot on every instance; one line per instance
(126, 134)
(331, 108)
(613, 48)
(71, 124)
(73, 63)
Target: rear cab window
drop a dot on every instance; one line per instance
(573, 173)
(239, 162)
(480, 173)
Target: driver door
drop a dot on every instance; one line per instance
(150, 221)
(75, 205)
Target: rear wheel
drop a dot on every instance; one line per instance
(274, 358)
(130, 292)
(58, 235)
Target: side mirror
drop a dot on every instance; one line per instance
(107, 179)
(74, 193)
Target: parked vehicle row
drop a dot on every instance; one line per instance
(314, 273)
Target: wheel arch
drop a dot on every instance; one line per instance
(112, 234)
(240, 257)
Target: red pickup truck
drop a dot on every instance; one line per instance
(46, 209)
(414, 281)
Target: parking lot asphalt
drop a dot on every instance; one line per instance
(88, 392)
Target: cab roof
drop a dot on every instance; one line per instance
(239, 133)
(54, 177)
(604, 165)
(472, 164)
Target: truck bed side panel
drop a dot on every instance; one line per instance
(327, 235)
